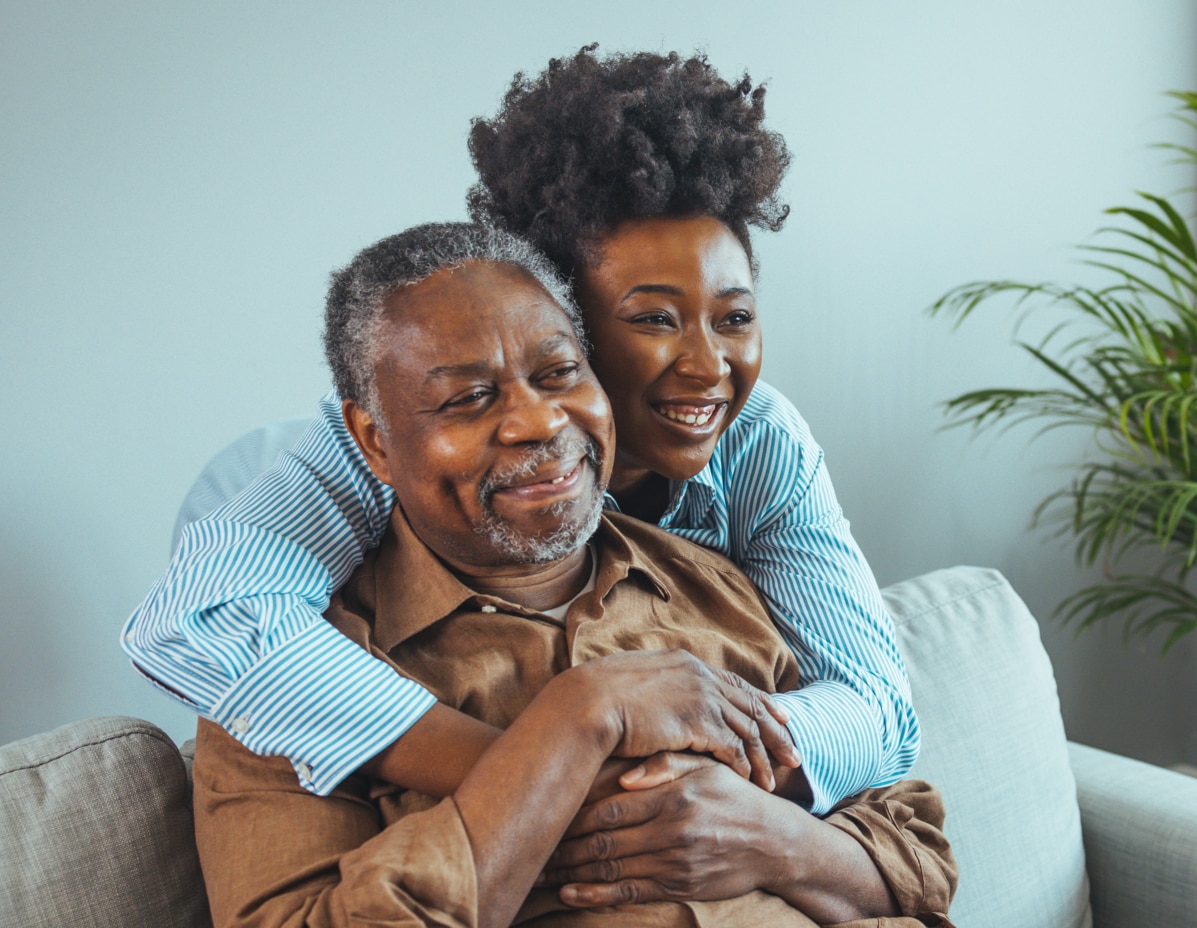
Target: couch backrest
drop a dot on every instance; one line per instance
(993, 742)
(96, 830)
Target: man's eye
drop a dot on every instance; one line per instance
(560, 375)
(472, 398)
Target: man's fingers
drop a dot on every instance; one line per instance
(600, 856)
(622, 810)
(661, 768)
(623, 892)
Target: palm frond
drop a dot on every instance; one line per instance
(1123, 361)
(1141, 603)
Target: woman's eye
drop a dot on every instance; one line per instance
(653, 318)
(739, 318)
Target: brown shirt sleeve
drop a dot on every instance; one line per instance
(273, 854)
(900, 827)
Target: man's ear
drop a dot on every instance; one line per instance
(368, 435)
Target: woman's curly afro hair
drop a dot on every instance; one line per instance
(592, 142)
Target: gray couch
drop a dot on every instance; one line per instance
(96, 829)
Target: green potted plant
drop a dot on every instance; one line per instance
(1122, 363)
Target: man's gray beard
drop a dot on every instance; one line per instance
(570, 535)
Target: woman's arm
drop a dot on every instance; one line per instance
(852, 721)
(236, 620)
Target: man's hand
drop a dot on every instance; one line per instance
(699, 836)
(670, 700)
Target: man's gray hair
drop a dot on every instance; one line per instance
(358, 291)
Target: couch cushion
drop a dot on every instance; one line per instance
(994, 743)
(96, 829)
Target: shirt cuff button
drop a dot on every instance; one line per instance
(239, 726)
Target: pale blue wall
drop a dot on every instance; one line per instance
(178, 181)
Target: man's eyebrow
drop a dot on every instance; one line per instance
(467, 369)
(486, 368)
(555, 343)
(671, 290)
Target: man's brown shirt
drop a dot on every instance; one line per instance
(373, 854)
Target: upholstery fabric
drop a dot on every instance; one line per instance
(994, 743)
(1140, 825)
(96, 830)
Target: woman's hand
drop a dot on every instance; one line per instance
(672, 701)
(706, 834)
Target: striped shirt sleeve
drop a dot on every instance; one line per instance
(235, 628)
(853, 721)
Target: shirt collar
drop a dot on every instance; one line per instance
(695, 496)
(413, 589)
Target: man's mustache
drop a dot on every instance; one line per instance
(559, 447)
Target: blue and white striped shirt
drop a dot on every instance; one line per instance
(234, 627)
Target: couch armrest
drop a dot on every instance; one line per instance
(1140, 830)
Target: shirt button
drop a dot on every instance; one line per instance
(489, 608)
(239, 726)
(304, 771)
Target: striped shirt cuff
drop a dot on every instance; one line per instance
(324, 703)
(838, 738)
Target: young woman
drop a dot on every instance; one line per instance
(639, 176)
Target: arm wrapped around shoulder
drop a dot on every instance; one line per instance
(900, 827)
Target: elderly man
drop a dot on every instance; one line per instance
(503, 589)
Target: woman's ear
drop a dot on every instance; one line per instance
(368, 435)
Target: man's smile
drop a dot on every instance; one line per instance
(553, 481)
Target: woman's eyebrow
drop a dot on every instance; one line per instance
(652, 288)
(671, 290)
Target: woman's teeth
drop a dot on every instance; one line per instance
(701, 417)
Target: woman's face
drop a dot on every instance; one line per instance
(677, 345)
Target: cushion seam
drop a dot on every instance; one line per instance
(944, 603)
(92, 742)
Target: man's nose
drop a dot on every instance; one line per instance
(702, 358)
(530, 416)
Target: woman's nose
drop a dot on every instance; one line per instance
(702, 359)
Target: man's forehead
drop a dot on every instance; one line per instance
(470, 289)
(472, 320)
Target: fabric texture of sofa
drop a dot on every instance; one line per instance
(96, 826)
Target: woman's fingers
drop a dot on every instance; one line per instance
(672, 701)
(769, 716)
